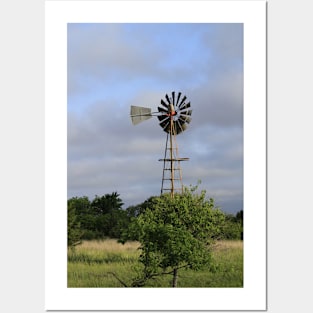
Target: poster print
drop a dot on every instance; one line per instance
(101, 64)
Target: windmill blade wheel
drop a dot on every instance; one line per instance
(177, 109)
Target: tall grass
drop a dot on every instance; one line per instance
(108, 263)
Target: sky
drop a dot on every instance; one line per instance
(114, 66)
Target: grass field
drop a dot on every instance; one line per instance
(108, 263)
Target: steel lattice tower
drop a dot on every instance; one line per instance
(172, 172)
(174, 115)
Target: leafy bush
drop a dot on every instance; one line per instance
(176, 232)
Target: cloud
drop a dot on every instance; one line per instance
(114, 66)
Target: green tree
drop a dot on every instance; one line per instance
(239, 219)
(233, 226)
(232, 229)
(102, 217)
(239, 216)
(108, 214)
(136, 210)
(106, 204)
(176, 232)
(74, 232)
(85, 216)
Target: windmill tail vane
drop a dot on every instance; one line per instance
(174, 115)
(139, 114)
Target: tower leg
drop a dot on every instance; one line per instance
(164, 165)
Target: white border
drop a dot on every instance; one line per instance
(253, 295)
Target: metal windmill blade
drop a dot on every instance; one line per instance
(178, 97)
(179, 127)
(184, 106)
(181, 102)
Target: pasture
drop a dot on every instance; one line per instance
(107, 263)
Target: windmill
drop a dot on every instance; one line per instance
(174, 115)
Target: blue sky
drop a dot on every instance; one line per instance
(114, 66)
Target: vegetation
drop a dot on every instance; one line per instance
(74, 232)
(103, 217)
(97, 219)
(107, 263)
(173, 235)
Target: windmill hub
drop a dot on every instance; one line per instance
(174, 115)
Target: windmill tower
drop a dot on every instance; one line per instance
(174, 115)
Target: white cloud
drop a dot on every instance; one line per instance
(111, 67)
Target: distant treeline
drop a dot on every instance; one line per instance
(103, 217)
